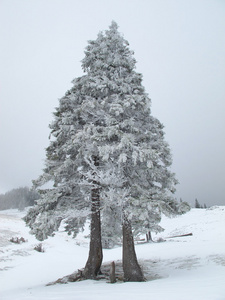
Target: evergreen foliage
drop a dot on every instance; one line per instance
(105, 116)
(198, 205)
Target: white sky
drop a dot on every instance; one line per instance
(180, 49)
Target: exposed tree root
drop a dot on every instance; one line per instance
(103, 275)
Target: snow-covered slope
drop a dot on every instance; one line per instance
(187, 268)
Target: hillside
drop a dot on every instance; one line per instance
(187, 268)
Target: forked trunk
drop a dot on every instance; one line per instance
(132, 270)
(94, 261)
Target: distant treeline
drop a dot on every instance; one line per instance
(198, 205)
(18, 198)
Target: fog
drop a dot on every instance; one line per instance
(179, 47)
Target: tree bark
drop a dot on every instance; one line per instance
(95, 257)
(132, 270)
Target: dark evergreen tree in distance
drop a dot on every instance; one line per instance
(197, 204)
(18, 198)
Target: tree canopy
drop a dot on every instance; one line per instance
(105, 114)
(107, 154)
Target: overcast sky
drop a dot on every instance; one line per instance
(179, 46)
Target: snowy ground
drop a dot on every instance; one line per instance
(187, 268)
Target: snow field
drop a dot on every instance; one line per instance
(187, 268)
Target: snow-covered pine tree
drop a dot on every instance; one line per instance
(64, 200)
(130, 144)
(108, 154)
(71, 163)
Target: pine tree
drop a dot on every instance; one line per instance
(64, 201)
(108, 155)
(197, 204)
(70, 164)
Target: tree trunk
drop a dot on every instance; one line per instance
(94, 261)
(149, 237)
(132, 270)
